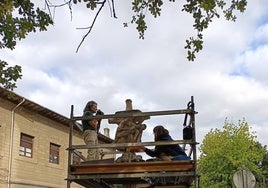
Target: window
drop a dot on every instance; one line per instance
(54, 153)
(26, 145)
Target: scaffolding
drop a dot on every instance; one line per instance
(107, 173)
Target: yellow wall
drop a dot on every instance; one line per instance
(37, 170)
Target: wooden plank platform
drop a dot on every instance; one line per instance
(133, 167)
(177, 174)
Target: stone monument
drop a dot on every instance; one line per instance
(129, 130)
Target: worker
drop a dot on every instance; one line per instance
(165, 152)
(91, 129)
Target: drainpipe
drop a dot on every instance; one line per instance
(11, 142)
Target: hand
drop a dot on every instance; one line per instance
(142, 148)
(99, 112)
(137, 148)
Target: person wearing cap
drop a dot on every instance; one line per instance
(169, 152)
(91, 129)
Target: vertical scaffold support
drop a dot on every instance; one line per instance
(70, 145)
(194, 140)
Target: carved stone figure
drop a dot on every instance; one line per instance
(129, 130)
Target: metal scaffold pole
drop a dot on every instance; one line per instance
(70, 144)
(194, 140)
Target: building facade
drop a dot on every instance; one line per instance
(33, 143)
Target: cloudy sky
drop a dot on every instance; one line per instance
(228, 79)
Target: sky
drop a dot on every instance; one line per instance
(228, 79)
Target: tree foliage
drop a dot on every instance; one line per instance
(264, 167)
(17, 19)
(9, 75)
(224, 152)
(20, 17)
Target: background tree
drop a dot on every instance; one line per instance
(263, 181)
(224, 152)
(18, 18)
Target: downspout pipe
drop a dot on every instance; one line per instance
(11, 141)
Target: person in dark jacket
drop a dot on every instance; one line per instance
(165, 152)
(91, 109)
(91, 129)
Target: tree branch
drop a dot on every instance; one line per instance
(91, 26)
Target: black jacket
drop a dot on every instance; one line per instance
(170, 150)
